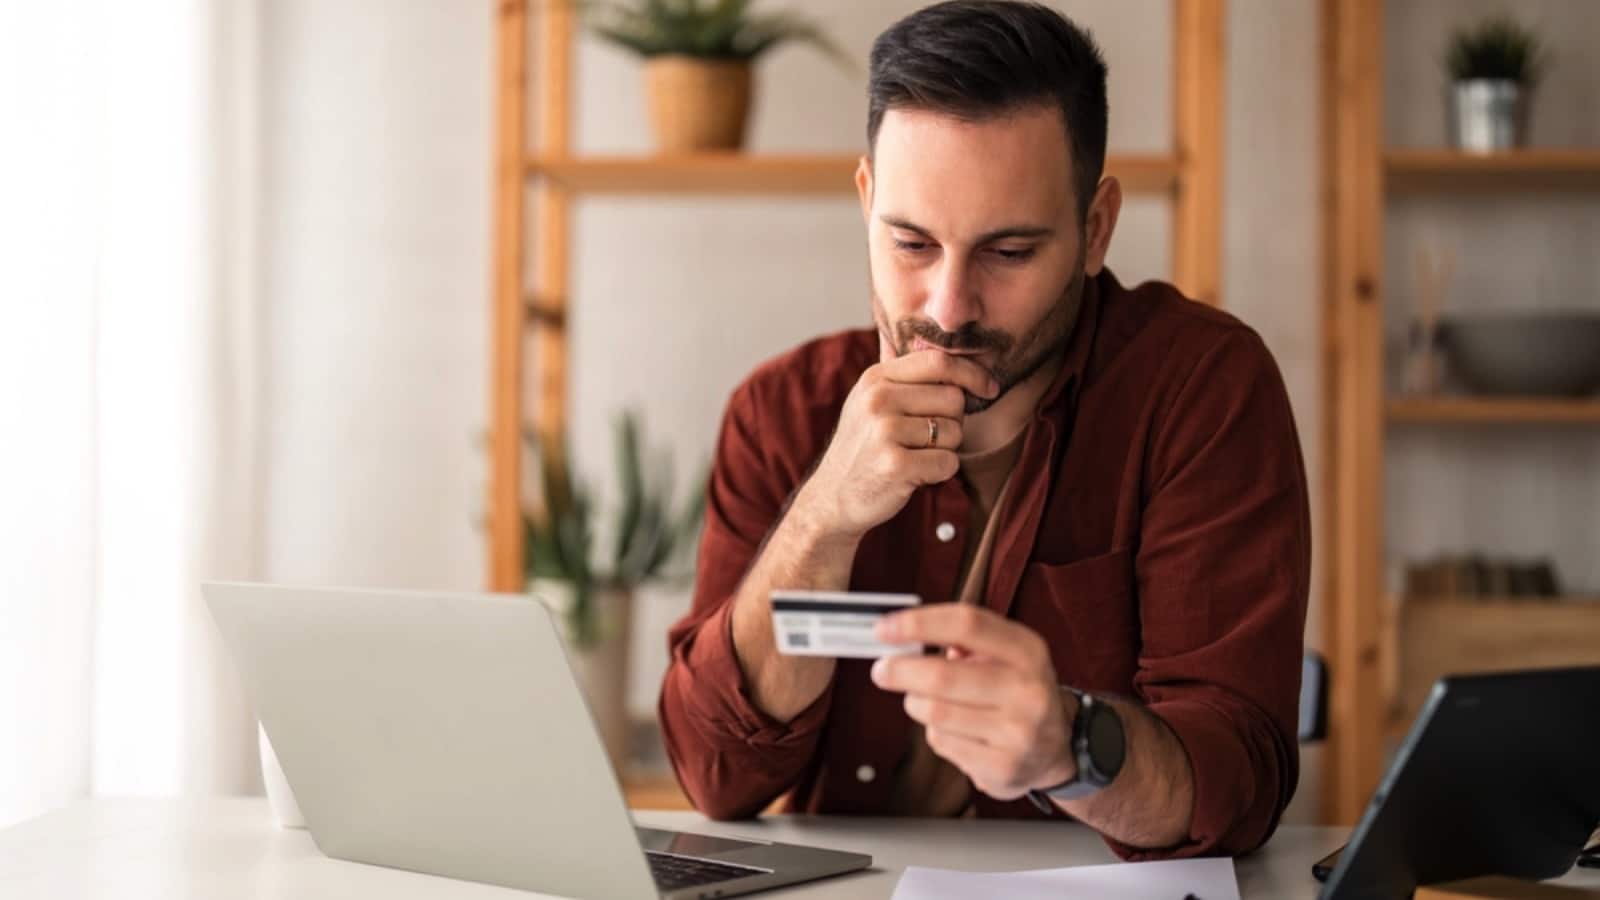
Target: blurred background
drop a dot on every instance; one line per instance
(278, 277)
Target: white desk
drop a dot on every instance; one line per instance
(227, 848)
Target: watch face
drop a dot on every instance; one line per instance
(1106, 742)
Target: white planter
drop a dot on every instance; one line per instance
(1488, 115)
(279, 796)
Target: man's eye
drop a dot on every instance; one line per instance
(1014, 255)
(910, 246)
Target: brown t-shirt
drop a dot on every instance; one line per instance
(1156, 535)
(925, 784)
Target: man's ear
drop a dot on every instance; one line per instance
(864, 187)
(1100, 223)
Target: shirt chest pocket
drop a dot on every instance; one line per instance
(1087, 611)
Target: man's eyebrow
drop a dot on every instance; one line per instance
(1012, 231)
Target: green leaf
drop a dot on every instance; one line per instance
(1496, 48)
(715, 29)
(630, 477)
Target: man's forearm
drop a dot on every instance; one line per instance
(1151, 802)
(798, 555)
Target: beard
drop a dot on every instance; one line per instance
(1016, 357)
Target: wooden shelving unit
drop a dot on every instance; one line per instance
(1370, 666)
(535, 297)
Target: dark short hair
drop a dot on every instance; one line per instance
(975, 59)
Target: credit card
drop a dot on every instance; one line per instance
(836, 623)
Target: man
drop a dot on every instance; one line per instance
(1097, 491)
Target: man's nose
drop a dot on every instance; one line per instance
(952, 300)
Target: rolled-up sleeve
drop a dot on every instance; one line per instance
(1223, 572)
(731, 758)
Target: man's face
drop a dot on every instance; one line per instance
(974, 239)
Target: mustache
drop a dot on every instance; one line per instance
(969, 337)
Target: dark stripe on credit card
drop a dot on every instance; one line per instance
(826, 606)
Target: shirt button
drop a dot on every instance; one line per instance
(945, 532)
(866, 774)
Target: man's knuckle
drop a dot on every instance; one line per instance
(892, 461)
(876, 399)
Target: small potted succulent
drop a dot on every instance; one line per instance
(698, 56)
(1494, 67)
(594, 597)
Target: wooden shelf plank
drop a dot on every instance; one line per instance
(740, 173)
(1415, 170)
(1494, 411)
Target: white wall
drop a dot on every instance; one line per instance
(47, 387)
(375, 283)
(1503, 492)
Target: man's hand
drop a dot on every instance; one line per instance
(991, 705)
(880, 452)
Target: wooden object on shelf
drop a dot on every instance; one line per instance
(1470, 410)
(1441, 637)
(1497, 887)
(1433, 283)
(1421, 170)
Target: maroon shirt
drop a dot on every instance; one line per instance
(1158, 538)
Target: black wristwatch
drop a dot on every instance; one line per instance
(1098, 744)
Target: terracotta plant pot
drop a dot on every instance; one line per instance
(697, 104)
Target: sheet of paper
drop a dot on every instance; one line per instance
(1207, 879)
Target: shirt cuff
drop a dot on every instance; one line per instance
(720, 696)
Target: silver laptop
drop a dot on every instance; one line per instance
(444, 733)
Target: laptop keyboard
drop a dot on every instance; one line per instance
(672, 872)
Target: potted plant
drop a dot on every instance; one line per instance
(1494, 67)
(593, 597)
(698, 56)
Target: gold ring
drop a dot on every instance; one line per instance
(933, 431)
